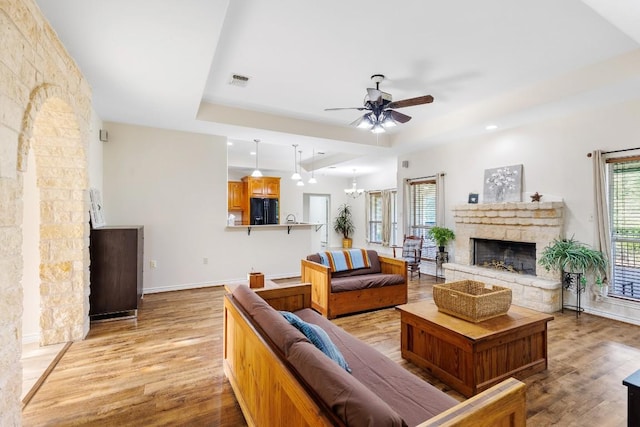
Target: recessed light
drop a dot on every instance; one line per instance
(229, 143)
(491, 127)
(253, 153)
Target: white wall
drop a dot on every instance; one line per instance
(555, 165)
(175, 184)
(95, 168)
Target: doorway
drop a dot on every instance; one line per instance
(316, 210)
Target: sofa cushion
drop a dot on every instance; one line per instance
(354, 403)
(277, 329)
(343, 284)
(318, 337)
(349, 259)
(414, 399)
(373, 261)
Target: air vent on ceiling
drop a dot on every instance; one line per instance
(239, 80)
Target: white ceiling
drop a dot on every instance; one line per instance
(168, 63)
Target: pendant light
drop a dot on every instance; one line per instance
(313, 180)
(296, 176)
(256, 173)
(300, 181)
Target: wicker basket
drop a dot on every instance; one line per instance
(471, 301)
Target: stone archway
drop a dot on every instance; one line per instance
(51, 129)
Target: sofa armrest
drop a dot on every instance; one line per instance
(393, 266)
(287, 297)
(320, 278)
(504, 404)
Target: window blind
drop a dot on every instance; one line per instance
(624, 194)
(422, 212)
(375, 217)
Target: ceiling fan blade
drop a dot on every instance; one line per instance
(346, 108)
(426, 99)
(397, 116)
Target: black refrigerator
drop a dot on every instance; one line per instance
(263, 211)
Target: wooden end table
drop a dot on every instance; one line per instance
(471, 357)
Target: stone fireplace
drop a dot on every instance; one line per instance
(499, 243)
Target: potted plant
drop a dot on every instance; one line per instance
(442, 236)
(343, 224)
(571, 257)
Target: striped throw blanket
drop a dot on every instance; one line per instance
(350, 259)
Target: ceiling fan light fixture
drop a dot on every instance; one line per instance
(366, 121)
(387, 121)
(377, 128)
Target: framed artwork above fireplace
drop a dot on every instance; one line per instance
(503, 184)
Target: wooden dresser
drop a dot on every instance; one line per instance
(116, 270)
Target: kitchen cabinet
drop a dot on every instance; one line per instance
(266, 186)
(236, 197)
(116, 269)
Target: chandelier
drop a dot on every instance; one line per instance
(354, 192)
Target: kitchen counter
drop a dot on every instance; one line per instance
(287, 226)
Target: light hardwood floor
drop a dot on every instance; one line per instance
(165, 367)
(35, 362)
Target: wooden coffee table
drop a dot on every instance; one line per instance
(471, 357)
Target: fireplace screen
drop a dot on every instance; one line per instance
(517, 257)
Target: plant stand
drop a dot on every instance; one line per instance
(572, 282)
(441, 258)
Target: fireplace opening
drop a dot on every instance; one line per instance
(516, 257)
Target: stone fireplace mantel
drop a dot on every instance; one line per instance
(535, 222)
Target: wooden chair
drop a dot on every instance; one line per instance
(411, 252)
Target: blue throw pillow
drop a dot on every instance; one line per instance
(318, 337)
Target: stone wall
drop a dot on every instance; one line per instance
(538, 223)
(45, 105)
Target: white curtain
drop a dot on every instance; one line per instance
(367, 216)
(386, 217)
(601, 209)
(440, 212)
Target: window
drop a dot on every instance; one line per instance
(624, 205)
(422, 213)
(376, 217)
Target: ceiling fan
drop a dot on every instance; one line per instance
(380, 108)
